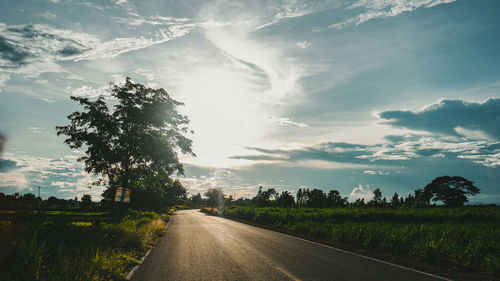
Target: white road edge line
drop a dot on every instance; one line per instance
(135, 268)
(345, 251)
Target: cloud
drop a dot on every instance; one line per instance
(138, 20)
(284, 121)
(304, 44)
(401, 151)
(34, 49)
(451, 117)
(4, 78)
(201, 179)
(89, 92)
(373, 173)
(6, 165)
(61, 177)
(47, 15)
(290, 10)
(373, 9)
(118, 46)
(361, 192)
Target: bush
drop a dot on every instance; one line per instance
(73, 250)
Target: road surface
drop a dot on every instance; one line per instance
(201, 247)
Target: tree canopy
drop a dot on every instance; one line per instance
(132, 138)
(215, 197)
(452, 191)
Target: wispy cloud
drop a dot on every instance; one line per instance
(373, 9)
(47, 15)
(284, 121)
(402, 152)
(4, 78)
(304, 44)
(34, 49)
(63, 176)
(88, 91)
(31, 171)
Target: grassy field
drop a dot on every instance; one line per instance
(467, 238)
(74, 245)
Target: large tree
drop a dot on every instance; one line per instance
(452, 191)
(132, 138)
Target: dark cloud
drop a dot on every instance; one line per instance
(448, 116)
(259, 157)
(428, 151)
(404, 150)
(11, 53)
(70, 51)
(25, 44)
(7, 165)
(331, 151)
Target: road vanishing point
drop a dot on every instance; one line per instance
(197, 246)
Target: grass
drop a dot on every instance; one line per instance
(178, 208)
(467, 238)
(76, 250)
(210, 211)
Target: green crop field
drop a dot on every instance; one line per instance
(74, 245)
(467, 237)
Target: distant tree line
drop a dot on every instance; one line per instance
(141, 199)
(450, 191)
(18, 201)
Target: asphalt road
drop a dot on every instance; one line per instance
(201, 247)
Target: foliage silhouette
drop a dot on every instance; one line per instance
(452, 191)
(264, 198)
(285, 199)
(215, 197)
(86, 201)
(133, 143)
(333, 199)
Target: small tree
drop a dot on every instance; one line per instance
(215, 197)
(377, 198)
(302, 197)
(316, 198)
(86, 201)
(422, 198)
(452, 191)
(333, 199)
(360, 202)
(285, 199)
(196, 200)
(264, 197)
(395, 200)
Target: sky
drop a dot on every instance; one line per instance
(351, 95)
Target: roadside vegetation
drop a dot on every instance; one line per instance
(65, 246)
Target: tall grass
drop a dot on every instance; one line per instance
(46, 250)
(465, 237)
